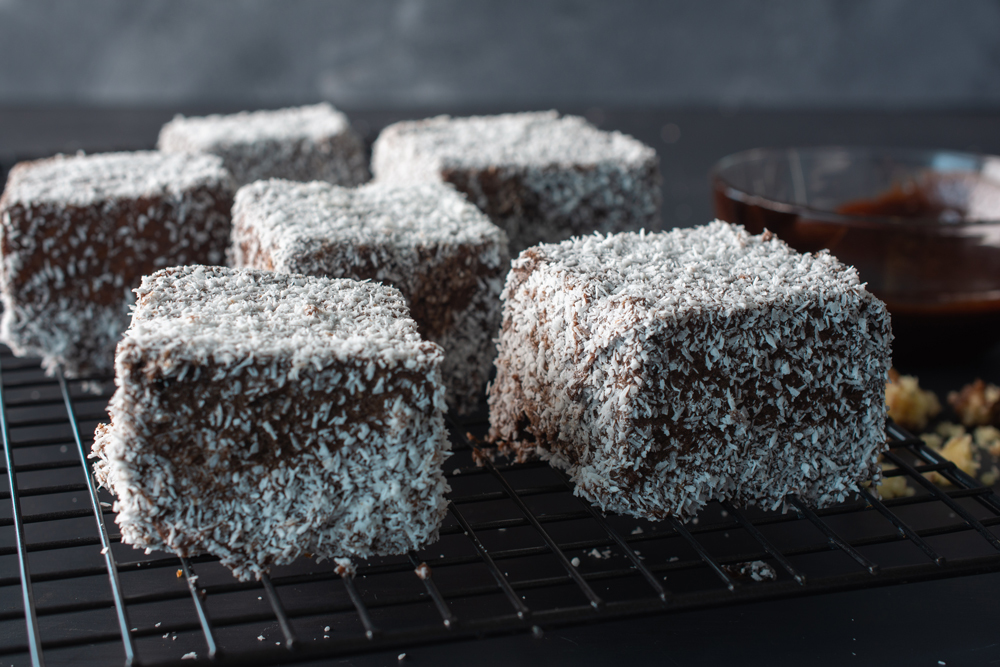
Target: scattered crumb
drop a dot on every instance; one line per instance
(637, 530)
(910, 406)
(977, 404)
(757, 570)
(673, 559)
(456, 471)
(165, 636)
(949, 429)
(603, 555)
(723, 514)
(104, 551)
(260, 638)
(173, 638)
(988, 438)
(190, 656)
(345, 567)
(575, 562)
(135, 629)
(894, 487)
(401, 657)
(326, 629)
(326, 636)
(959, 451)
(932, 440)
(180, 573)
(423, 571)
(92, 387)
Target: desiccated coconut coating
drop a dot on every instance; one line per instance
(259, 417)
(443, 254)
(79, 232)
(310, 143)
(540, 177)
(667, 370)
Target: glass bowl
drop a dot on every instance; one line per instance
(922, 227)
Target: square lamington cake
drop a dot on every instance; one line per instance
(77, 234)
(310, 143)
(541, 177)
(666, 370)
(259, 417)
(443, 254)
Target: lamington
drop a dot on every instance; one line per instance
(666, 370)
(310, 143)
(539, 176)
(77, 234)
(259, 417)
(440, 251)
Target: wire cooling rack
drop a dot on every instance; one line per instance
(518, 553)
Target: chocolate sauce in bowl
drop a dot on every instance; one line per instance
(923, 248)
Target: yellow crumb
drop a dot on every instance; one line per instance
(977, 404)
(910, 406)
(959, 451)
(894, 487)
(932, 440)
(950, 430)
(988, 438)
(180, 573)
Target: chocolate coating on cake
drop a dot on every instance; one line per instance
(77, 234)
(259, 417)
(540, 177)
(310, 143)
(442, 253)
(666, 370)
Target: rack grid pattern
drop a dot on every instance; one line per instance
(518, 553)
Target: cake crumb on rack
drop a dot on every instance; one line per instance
(976, 404)
(910, 406)
(756, 570)
(893, 487)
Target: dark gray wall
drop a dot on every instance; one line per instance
(392, 53)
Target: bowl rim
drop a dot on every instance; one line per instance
(823, 215)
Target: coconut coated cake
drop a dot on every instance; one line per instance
(666, 370)
(539, 176)
(440, 251)
(310, 143)
(259, 417)
(78, 233)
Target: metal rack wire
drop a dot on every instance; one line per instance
(518, 553)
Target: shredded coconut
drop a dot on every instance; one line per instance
(539, 176)
(667, 370)
(259, 417)
(78, 234)
(301, 143)
(445, 256)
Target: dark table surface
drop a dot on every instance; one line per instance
(950, 621)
